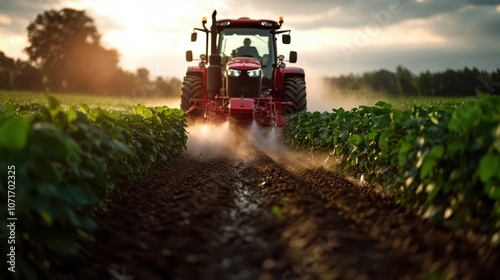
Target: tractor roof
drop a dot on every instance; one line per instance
(245, 22)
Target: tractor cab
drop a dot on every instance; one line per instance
(254, 38)
(253, 47)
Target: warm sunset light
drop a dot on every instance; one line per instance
(355, 37)
(139, 30)
(263, 139)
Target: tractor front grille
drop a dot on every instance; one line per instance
(243, 85)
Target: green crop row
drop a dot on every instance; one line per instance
(66, 164)
(442, 161)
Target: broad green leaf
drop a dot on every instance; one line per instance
(455, 147)
(355, 139)
(139, 109)
(383, 141)
(493, 191)
(371, 136)
(85, 108)
(71, 114)
(489, 166)
(405, 147)
(384, 121)
(437, 152)
(396, 116)
(427, 164)
(46, 217)
(383, 104)
(14, 134)
(53, 103)
(496, 145)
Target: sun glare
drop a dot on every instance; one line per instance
(149, 26)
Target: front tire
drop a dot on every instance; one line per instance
(294, 91)
(192, 87)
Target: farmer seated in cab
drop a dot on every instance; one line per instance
(247, 50)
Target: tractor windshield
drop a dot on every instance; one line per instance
(249, 42)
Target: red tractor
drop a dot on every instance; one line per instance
(246, 80)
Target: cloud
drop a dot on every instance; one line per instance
(416, 58)
(25, 8)
(5, 20)
(21, 13)
(420, 34)
(470, 22)
(356, 13)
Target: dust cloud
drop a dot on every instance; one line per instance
(230, 141)
(169, 102)
(323, 97)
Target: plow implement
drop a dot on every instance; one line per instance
(264, 111)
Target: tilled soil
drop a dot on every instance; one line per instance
(260, 217)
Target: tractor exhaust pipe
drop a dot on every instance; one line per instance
(214, 69)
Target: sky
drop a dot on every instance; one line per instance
(332, 37)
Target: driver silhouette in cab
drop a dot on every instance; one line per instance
(246, 50)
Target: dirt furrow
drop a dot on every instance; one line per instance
(265, 218)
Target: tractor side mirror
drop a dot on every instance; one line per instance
(293, 57)
(194, 36)
(286, 39)
(189, 56)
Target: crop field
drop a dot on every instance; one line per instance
(117, 190)
(120, 102)
(442, 160)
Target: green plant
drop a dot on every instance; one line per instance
(443, 160)
(67, 164)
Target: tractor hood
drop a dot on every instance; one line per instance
(244, 63)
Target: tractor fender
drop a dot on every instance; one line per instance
(199, 72)
(281, 73)
(196, 71)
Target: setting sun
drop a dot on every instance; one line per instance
(140, 29)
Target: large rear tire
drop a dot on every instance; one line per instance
(192, 87)
(294, 91)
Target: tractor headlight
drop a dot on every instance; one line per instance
(233, 72)
(254, 73)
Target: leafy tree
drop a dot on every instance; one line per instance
(27, 77)
(450, 83)
(405, 81)
(122, 83)
(66, 46)
(383, 81)
(7, 66)
(19, 75)
(462, 82)
(169, 88)
(424, 84)
(495, 78)
(143, 75)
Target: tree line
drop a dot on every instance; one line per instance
(66, 55)
(402, 82)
